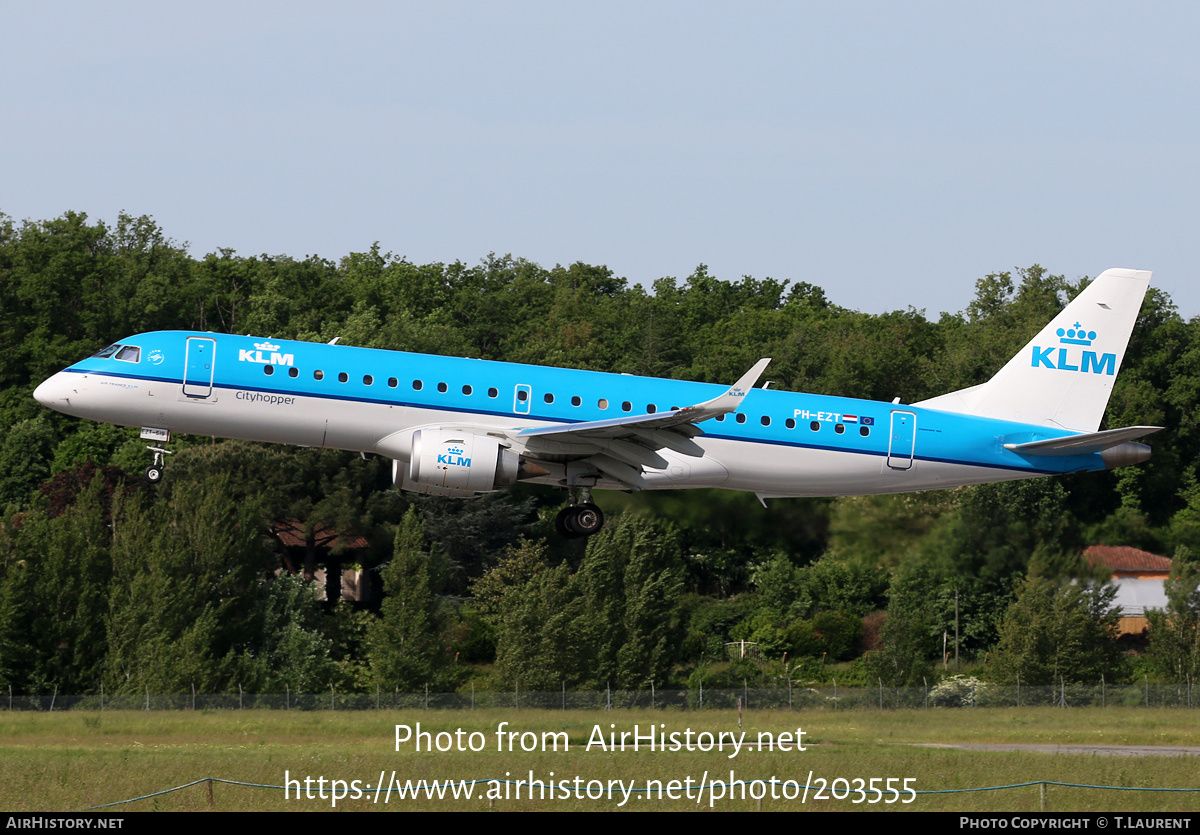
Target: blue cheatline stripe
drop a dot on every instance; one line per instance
(347, 398)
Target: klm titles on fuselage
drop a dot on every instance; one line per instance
(1085, 361)
(275, 358)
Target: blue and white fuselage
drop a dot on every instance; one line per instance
(582, 429)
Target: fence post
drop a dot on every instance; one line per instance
(880, 680)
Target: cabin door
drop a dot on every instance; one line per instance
(198, 366)
(902, 441)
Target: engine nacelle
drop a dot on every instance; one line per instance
(451, 462)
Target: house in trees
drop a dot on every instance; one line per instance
(327, 557)
(1139, 577)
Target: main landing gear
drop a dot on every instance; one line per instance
(583, 519)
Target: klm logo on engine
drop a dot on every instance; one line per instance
(273, 356)
(1075, 359)
(454, 457)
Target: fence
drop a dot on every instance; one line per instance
(962, 695)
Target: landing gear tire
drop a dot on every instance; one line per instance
(579, 520)
(154, 474)
(587, 520)
(562, 524)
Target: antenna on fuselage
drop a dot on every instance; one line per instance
(333, 341)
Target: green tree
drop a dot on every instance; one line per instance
(407, 644)
(1057, 631)
(1175, 632)
(908, 635)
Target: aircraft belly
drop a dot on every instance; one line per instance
(804, 472)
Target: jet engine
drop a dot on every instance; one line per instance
(450, 462)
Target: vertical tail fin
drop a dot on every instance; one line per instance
(1065, 375)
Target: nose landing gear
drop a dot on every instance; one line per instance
(154, 473)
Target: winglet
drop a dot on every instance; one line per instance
(732, 398)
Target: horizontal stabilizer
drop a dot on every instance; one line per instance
(1083, 444)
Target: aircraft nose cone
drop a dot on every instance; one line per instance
(53, 393)
(42, 393)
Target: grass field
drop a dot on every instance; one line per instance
(72, 761)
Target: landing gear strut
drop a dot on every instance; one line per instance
(583, 519)
(154, 473)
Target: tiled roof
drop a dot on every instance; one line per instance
(1125, 558)
(291, 534)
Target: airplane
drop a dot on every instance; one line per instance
(461, 427)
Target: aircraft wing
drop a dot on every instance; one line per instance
(621, 447)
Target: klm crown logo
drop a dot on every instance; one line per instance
(1066, 359)
(1075, 335)
(265, 353)
(454, 457)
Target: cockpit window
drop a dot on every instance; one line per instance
(105, 353)
(130, 353)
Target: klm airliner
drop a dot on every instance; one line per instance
(461, 427)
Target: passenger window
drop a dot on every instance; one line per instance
(418, 385)
(522, 395)
(493, 393)
(442, 387)
(293, 372)
(766, 421)
(343, 376)
(602, 404)
(815, 426)
(393, 382)
(864, 431)
(549, 398)
(721, 418)
(626, 406)
(575, 401)
(467, 390)
(741, 418)
(839, 428)
(790, 423)
(368, 380)
(651, 409)
(318, 375)
(130, 353)
(267, 369)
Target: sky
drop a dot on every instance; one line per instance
(891, 153)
